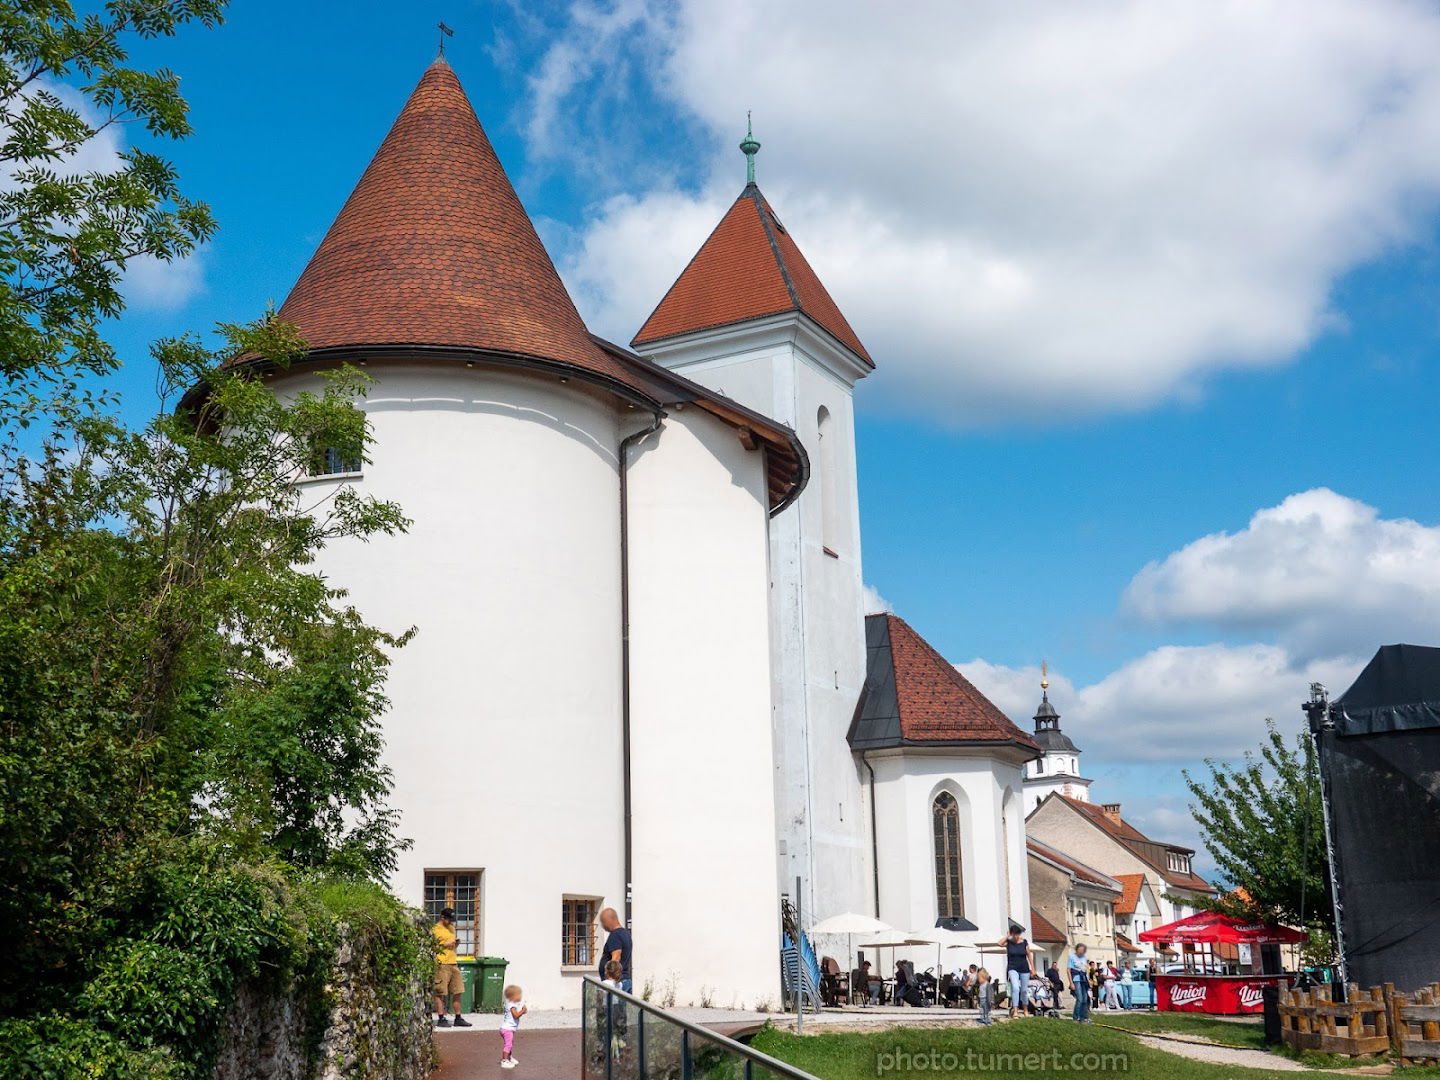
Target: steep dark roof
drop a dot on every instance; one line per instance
(1055, 739)
(913, 696)
(749, 267)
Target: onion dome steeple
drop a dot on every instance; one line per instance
(1047, 720)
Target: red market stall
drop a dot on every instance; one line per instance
(1213, 978)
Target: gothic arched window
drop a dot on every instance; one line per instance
(949, 892)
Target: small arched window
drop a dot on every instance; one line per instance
(829, 491)
(949, 890)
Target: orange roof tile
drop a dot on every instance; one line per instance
(749, 267)
(936, 701)
(1043, 930)
(1125, 904)
(434, 249)
(1132, 838)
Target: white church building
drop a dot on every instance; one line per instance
(642, 675)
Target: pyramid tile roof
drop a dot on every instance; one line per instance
(434, 249)
(913, 696)
(749, 267)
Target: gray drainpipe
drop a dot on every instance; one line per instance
(874, 831)
(657, 419)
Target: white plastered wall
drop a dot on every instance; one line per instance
(504, 725)
(706, 912)
(992, 841)
(786, 369)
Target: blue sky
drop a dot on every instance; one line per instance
(1130, 280)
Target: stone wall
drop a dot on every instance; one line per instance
(268, 1034)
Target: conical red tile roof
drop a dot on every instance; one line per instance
(748, 268)
(433, 248)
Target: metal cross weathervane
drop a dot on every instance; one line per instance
(445, 32)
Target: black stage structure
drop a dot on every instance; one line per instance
(1379, 749)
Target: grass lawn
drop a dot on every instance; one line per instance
(1059, 1046)
(1196, 1025)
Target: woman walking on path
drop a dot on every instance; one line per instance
(1112, 995)
(1019, 968)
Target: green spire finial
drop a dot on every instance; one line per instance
(749, 146)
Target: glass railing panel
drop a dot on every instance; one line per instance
(624, 1039)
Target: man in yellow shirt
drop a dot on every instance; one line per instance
(447, 970)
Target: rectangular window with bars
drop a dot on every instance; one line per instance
(577, 931)
(458, 889)
(328, 461)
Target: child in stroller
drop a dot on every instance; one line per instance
(1043, 1001)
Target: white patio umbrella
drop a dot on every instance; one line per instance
(900, 939)
(851, 923)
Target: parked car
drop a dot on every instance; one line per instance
(1197, 967)
(1142, 990)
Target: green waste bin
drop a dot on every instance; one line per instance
(491, 989)
(470, 972)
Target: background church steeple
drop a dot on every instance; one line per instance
(1058, 768)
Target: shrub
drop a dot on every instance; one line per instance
(56, 1047)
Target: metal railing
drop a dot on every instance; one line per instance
(625, 1038)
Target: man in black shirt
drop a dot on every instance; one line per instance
(617, 947)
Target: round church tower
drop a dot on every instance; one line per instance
(1058, 767)
(505, 431)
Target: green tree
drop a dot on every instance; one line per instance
(1263, 823)
(73, 213)
(171, 666)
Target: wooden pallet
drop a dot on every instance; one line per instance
(1416, 1024)
(1357, 1027)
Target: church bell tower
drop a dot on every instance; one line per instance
(1058, 767)
(749, 318)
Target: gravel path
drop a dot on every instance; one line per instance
(1224, 1055)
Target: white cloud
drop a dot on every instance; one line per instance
(1323, 577)
(1027, 206)
(875, 604)
(163, 286)
(149, 283)
(1175, 704)
(1321, 571)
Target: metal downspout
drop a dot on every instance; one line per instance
(658, 418)
(874, 832)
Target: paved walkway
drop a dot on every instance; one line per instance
(548, 1044)
(551, 1053)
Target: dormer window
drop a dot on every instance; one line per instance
(1179, 864)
